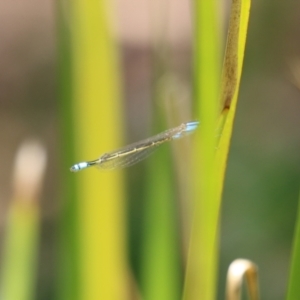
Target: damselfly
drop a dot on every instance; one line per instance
(134, 153)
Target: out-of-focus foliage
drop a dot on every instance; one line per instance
(262, 181)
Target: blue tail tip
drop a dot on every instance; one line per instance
(191, 126)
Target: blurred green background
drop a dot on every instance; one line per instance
(262, 184)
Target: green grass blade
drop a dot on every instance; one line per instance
(68, 274)
(161, 267)
(211, 164)
(160, 257)
(293, 285)
(201, 265)
(21, 252)
(21, 242)
(231, 77)
(94, 120)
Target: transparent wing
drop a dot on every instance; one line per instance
(126, 160)
(136, 152)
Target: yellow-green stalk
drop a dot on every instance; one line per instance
(216, 109)
(93, 117)
(97, 112)
(293, 291)
(21, 242)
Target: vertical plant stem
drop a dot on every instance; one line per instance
(21, 243)
(94, 118)
(68, 271)
(293, 285)
(20, 252)
(160, 262)
(212, 159)
(200, 278)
